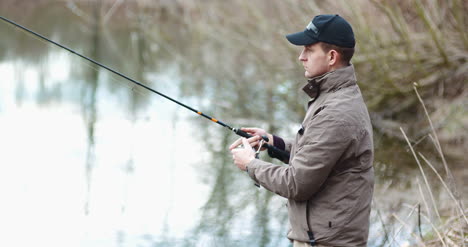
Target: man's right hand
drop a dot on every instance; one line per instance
(258, 132)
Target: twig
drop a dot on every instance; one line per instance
(437, 143)
(112, 10)
(423, 198)
(419, 222)
(432, 30)
(457, 202)
(409, 229)
(435, 229)
(398, 231)
(423, 174)
(77, 11)
(449, 175)
(382, 221)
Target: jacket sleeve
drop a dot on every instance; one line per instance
(324, 141)
(283, 144)
(280, 144)
(288, 144)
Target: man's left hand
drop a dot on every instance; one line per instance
(242, 156)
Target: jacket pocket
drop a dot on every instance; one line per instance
(299, 139)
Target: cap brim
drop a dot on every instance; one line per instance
(300, 38)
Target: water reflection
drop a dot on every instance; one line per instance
(179, 187)
(88, 101)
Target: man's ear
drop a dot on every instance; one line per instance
(333, 57)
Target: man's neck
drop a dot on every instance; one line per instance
(337, 66)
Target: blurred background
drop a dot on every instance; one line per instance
(88, 159)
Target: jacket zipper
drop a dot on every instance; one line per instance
(309, 232)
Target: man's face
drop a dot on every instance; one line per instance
(314, 60)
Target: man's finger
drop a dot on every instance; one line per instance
(235, 144)
(254, 139)
(239, 141)
(249, 130)
(246, 144)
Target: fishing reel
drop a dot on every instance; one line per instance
(273, 151)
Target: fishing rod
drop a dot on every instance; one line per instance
(272, 150)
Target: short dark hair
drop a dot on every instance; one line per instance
(345, 53)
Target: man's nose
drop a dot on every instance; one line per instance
(302, 57)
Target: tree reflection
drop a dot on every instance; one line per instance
(88, 100)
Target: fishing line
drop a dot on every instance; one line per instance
(272, 150)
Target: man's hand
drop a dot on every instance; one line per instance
(258, 132)
(243, 155)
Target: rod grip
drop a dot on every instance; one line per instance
(247, 135)
(242, 133)
(277, 153)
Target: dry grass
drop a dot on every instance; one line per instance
(450, 227)
(235, 51)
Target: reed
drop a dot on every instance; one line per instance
(450, 227)
(235, 52)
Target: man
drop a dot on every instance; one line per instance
(330, 178)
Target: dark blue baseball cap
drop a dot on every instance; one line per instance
(331, 29)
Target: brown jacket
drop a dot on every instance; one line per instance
(330, 178)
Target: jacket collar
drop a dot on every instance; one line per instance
(330, 81)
